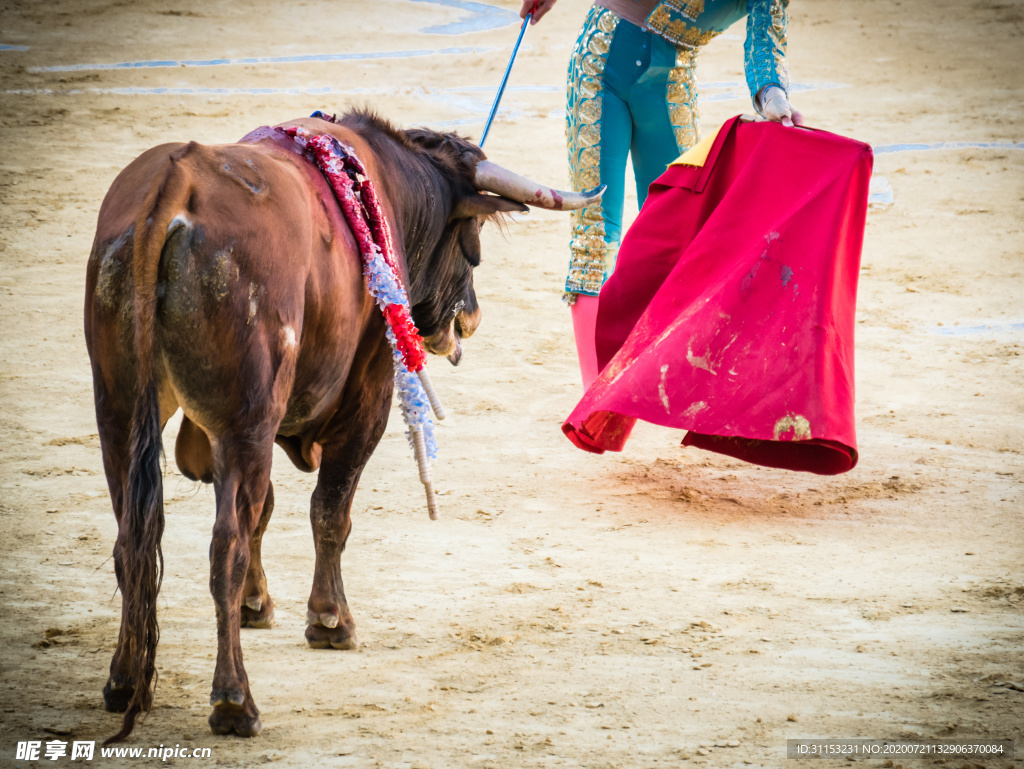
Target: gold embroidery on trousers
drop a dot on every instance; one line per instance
(682, 98)
(590, 253)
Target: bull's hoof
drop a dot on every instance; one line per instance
(116, 696)
(231, 715)
(258, 613)
(340, 637)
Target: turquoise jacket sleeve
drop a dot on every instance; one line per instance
(764, 50)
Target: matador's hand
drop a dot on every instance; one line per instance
(775, 106)
(543, 6)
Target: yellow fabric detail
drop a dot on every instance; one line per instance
(698, 153)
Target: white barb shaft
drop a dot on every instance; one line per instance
(428, 387)
(420, 448)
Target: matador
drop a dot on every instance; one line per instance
(632, 92)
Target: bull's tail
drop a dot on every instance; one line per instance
(141, 524)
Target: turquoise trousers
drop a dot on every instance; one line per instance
(630, 93)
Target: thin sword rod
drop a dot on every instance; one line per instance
(504, 80)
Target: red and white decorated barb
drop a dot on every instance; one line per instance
(358, 200)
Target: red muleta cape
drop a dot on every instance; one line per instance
(730, 313)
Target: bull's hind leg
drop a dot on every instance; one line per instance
(194, 457)
(242, 484)
(118, 691)
(113, 420)
(257, 605)
(346, 450)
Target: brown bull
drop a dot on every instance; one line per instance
(224, 281)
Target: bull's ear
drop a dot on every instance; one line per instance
(469, 240)
(485, 205)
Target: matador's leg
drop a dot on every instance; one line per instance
(598, 134)
(664, 105)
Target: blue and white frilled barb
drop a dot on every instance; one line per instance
(415, 405)
(358, 201)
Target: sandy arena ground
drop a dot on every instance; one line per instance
(663, 607)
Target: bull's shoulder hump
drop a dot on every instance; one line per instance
(339, 131)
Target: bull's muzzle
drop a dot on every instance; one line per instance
(466, 323)
(449, 341)
(445, 342)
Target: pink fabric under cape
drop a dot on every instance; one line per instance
(584, 321)
(730, 313)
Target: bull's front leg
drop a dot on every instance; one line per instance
(329, 622)
(345, 454)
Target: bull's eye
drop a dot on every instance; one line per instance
(459, 307)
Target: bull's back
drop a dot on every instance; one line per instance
(252, 260)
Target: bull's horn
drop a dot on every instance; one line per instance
(493, 178)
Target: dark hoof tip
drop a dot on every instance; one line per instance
(116, 697)
(234, 720)
(320, 637)
(262, 618)
(231, 714)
